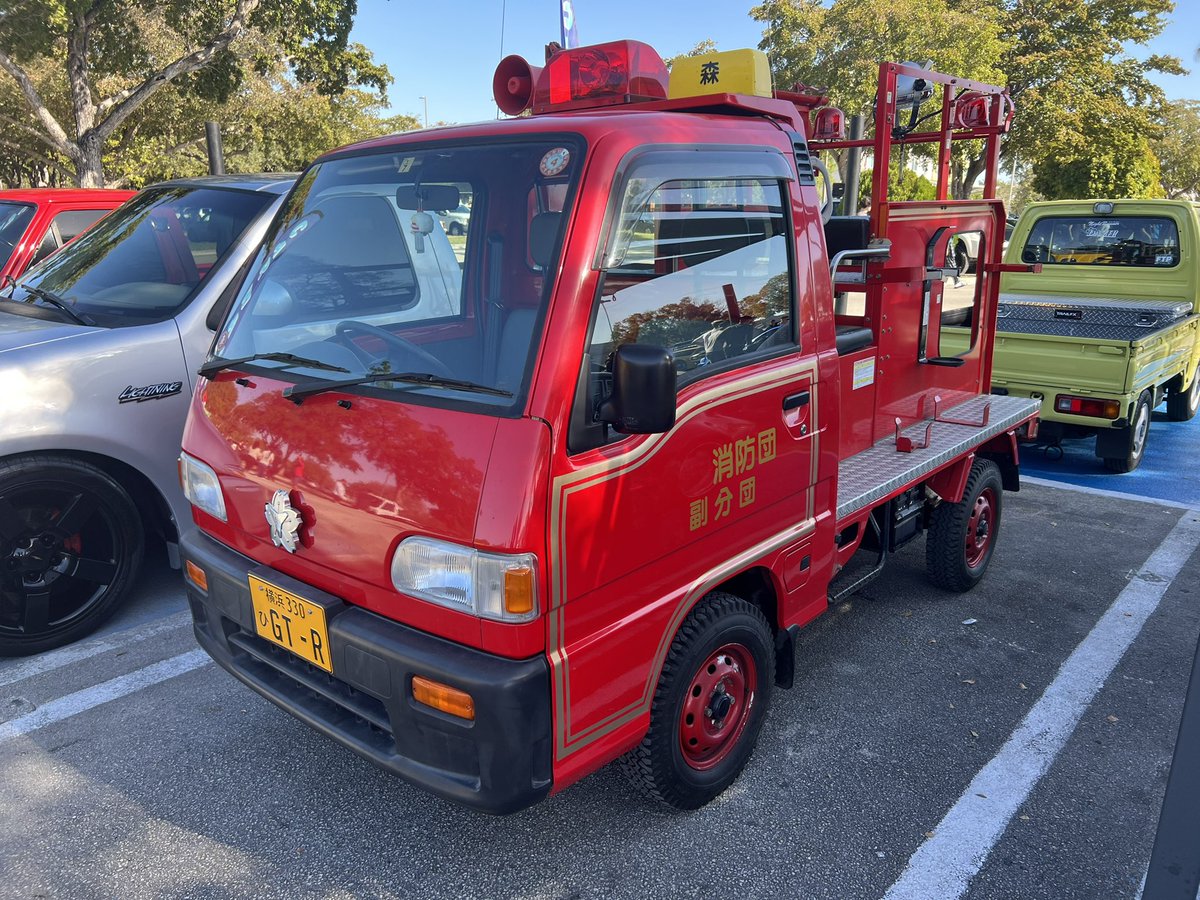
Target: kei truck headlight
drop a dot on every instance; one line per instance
(500, 586)
(201, 487)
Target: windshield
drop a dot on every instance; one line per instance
(422, 261)
(143, 262)
(1151, 241)
(14, 219)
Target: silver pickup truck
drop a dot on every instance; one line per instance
(99, 346)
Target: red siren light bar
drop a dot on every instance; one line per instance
(580, 78)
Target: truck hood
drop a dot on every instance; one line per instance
(18, 332)
(363, 474)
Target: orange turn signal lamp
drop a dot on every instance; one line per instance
(443, 697)
(196, 575)
(519, 591)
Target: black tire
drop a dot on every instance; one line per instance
(720, 625)
(1137, 435)
(71, 545)
(456, 229)
(962, 536)
(1182, 405)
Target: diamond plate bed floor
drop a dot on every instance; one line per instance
(878, 471)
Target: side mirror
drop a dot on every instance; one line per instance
(643, 393)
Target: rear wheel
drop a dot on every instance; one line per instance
(962, 535)
(1134, 446)
(709, 706)
(455, 229)
(71, 544)
(1182, 405)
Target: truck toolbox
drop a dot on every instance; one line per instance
(1102, 318)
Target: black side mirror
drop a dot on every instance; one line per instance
(643, 392)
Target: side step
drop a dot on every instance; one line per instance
(858, 579)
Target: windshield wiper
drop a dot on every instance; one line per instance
(217, 364)
(58, 303)
(298, 392)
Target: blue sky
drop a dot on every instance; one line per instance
(448, 50)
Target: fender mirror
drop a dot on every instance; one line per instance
(643, 392)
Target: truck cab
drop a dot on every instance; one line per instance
(36, 222)
(495, 525)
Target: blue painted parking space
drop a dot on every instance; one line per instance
(1169, 471)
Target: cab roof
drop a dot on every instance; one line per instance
(64, 195)
(267, 182)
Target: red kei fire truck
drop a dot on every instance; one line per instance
(494, 511)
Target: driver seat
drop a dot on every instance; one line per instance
(519, 322)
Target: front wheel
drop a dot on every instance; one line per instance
(709, 706)
(71, 544)
(962, 535)
(1133, 448)
(1182, 405)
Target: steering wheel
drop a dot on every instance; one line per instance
(827, 205)
(431, 363)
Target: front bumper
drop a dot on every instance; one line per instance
(500, 762)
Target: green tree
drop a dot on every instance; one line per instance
(904, 184)
(1100, 162)
(1073, 79)
(703, 48)
(1178, 149)
(1066, 63)
(116, 56)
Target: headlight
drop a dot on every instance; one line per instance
(493, 585)
(201, 487)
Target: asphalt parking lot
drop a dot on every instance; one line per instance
(934, 746)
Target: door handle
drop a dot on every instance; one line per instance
(795, 401)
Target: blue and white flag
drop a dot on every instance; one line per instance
(570, 34)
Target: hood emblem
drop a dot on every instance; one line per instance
(283, 520)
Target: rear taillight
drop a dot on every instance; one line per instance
(1087, 406)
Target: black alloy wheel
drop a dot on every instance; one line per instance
(71, 544)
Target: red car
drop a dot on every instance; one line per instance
(34, 223)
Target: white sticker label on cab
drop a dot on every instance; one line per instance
(864, 372)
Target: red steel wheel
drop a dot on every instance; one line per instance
(717, 706)
(962, 536)
(713, 694)
(980, 527)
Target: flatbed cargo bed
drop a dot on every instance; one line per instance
(881, 470)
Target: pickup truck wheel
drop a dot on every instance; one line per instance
(962, 535)
(709, 706)
(1182, 405)
(1137, 434)
(71, 543)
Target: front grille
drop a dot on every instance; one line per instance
(321, 693)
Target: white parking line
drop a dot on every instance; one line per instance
(56, 659)
(98, 694)
(1100, 492)
(945, 864)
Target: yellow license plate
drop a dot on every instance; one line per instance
(291, 622)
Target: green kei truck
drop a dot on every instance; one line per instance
(1108, 328)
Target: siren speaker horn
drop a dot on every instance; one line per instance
(512, 85)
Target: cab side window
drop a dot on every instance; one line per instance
(65, 227)
(701, 269)
(698, 266)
